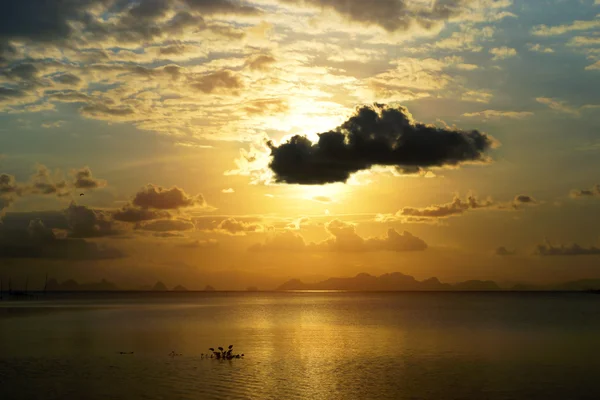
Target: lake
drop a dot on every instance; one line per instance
(302, 345)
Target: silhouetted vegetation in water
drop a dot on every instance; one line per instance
(221, 354)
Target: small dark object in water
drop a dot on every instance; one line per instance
(173, 354)
(222, 354)
(81, 194)
(125, 352)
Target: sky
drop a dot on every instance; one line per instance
(240, 143)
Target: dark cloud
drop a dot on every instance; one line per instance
(66, 21)
(9, 190)
(392, 15)
(166, 225)
(8, 185)
(100, 110)
(343, 239)
(260, 62)
(129, 213)
(9, 93)
(375, 135)
(156, 197)
(222, 7)
(67, 79)
(168, 234)
(217, 81)
(592, 192)
(456, 207)
(21, 72)
(85, 222)
(548, 249)
(68, 96)
(523, 198)
(39, 241)
(85, 180)
(503, 251)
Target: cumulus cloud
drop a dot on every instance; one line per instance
(343, 239)
(375, 135)
(38, 241)
(159, 198)
(538, 48)
(85, 222)
(592, 192)
(501, 53)
(129, 213)
(548, 249)
(232, 226)
(83, 179)
(43, 183)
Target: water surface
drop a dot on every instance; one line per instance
(303, 345)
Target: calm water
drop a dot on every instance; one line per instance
(303, 346)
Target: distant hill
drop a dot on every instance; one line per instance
(179, 288)
(209, 288)
(397, 281)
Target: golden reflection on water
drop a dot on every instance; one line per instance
(307, 345)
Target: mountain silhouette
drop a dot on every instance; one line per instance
(397, 281)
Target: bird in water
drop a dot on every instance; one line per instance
(80, 194)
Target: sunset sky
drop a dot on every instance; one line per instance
(459, 140)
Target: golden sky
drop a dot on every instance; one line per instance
(263, 140)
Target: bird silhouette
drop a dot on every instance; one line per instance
(81, 194)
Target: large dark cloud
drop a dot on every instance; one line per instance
(548, 249)
(375, 135)
(39, 241)
(61, 21)
(156, 197)
(85, 222)
(392, 15)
